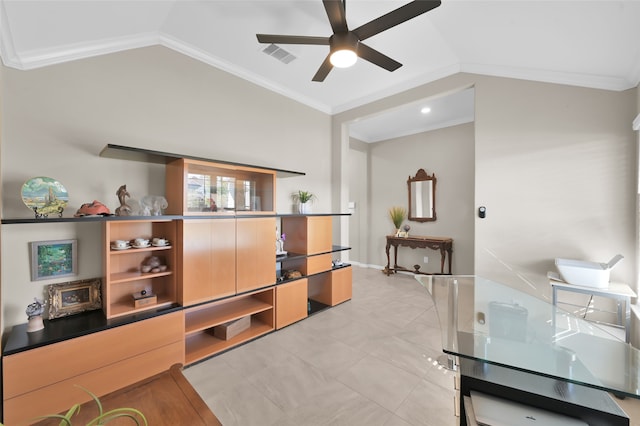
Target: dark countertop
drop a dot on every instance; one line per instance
(70, 327)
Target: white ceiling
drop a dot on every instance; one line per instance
(584, 43)
(408, 119)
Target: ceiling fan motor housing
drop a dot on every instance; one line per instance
(341, 41)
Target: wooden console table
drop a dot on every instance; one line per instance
(444, 244)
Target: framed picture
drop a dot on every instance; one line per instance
(53, 259)
(74, 297)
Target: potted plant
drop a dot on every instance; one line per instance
(397, 215)
(103, 417)
(303, 198)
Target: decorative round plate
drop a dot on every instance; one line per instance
(44, 196)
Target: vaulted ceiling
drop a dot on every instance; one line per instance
(584, 43)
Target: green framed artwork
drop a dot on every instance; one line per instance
(53, 259)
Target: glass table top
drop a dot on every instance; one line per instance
(490, 322)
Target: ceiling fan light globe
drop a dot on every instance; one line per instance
(343, 58)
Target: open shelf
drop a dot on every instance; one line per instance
(315, 306)
(204, 318)
(200, 322)
(204, 344)
(121, 308)
(158, 157)
(123, 277)
(138, 250)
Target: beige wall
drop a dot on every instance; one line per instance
(60, 117)
(555, 167)
(359, 194)
(449, 154)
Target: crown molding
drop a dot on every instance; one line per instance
(39, 58)
(44, 57)
(565, 78)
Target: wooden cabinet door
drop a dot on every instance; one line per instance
(223, 257)
(308, 234)
(207, 259)
(291, 302)
(255, 253)
(341, 285)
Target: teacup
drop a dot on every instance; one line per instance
(159, 242)
(120, 243)
(140, 242)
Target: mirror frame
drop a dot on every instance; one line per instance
(422, 176)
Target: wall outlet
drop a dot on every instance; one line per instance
(426, 259)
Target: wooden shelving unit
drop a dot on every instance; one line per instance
(201, 320)
(308, 242)
(220, 267)
(122, 274)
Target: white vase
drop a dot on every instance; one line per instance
(304, 208)
(35, 323)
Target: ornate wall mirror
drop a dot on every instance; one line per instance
(422, 197)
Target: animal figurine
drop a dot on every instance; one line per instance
(153, 205)
(124, 209)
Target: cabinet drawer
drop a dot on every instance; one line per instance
(43, 366)
(319, 263)
(60, 396)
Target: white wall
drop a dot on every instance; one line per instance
(555, 167)
(57, 120)
(449, 154)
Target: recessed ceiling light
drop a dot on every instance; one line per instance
(425, 110)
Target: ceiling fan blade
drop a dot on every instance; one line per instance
(291, 39)
(377, 58)
(336, 14)
(395, 17)
(324, 70)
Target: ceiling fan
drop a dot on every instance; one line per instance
(346, 45)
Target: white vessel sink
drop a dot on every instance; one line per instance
(585, 273)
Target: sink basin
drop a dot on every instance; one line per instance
(586, 273)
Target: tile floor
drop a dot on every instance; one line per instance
(369, 361)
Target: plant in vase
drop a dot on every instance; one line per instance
(397, 215)
(304, 199)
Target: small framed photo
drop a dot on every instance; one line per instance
(53, 259)
(74, 297)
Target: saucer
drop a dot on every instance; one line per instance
(161, 245)
(120, 248)
(139, 247)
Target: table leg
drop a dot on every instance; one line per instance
(395, 257)
(386, 270)
(627, 323)
(554, 302)
(443, 254)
